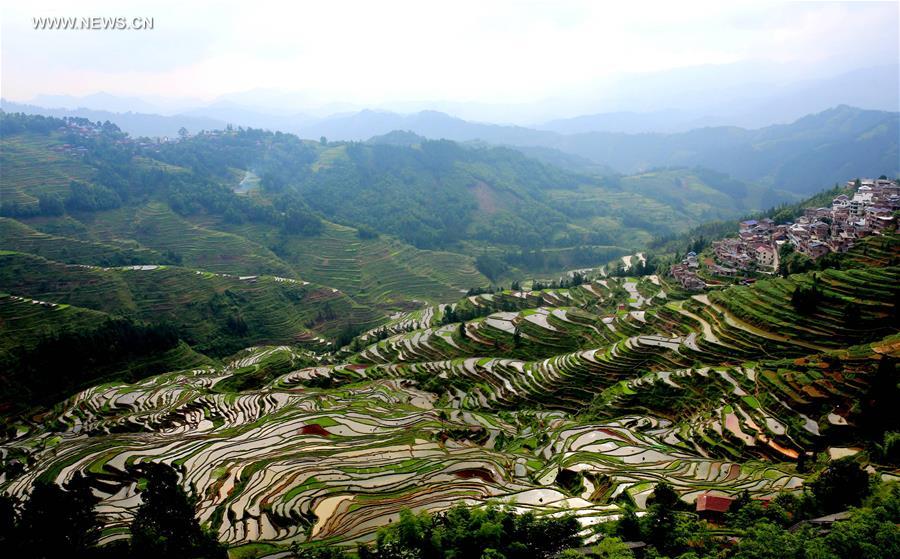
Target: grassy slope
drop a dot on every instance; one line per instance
(28, 168)
(203, 305)
(18, 236)
(24, 323)
(381, 270)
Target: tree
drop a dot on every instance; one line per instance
(50, 204)
(805, 300)
(611, 547)
(870, 532)
(183, 132)
(462, 331)
(323, 140)
(487, 533)
(165, 524)
(660, 520)
(317, 552)
(664, 496)
(629, 525)
(8, 536)
(59, 523)
(842, 484)
(768, 541)
(878, 406)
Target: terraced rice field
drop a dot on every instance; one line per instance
(157, 227)
(17, 236)
(29, 167)
(275, 309)
(379, 270)
(676, 345)
(28, 320)
(614, 382)
(282, 464)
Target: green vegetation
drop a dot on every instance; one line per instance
(62, 522)
(55, 522)
(783, 527)
(227, 267)
(325, 376)
(32, 375)
(164, 525)
(489, 533)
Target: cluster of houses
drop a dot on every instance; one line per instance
(819, 231)
(85, 128)
(81, 127)
(869, 211)
(685, 273)
(69, 149)
(755, 246)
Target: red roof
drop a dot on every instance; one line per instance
(714, 503)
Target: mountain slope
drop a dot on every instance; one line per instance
(551, 401)
(798, 157)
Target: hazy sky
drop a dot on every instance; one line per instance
(379, 50)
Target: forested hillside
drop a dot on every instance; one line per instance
(242, 237)
(566, 404)
(798, 157)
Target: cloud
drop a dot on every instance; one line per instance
(370, 52)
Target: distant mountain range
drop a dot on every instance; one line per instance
(631, 122)
(798, 157)
(749, 94)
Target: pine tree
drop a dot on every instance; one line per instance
(57, 522)
(165, 524)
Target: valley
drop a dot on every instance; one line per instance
(313, 369)
(469, 280)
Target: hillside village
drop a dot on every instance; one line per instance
(86, 129)
(819, 231)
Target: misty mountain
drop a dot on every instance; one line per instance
(239, 115)
(630, 122)
(749, 94)
(798, 157)
(103, 101)
(100, 101)
(398, 138)
(431, 124)
(869, 88)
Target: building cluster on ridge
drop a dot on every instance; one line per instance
(85, 128)
(835, 229)
(819, 231)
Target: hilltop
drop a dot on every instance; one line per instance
(797, 155)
